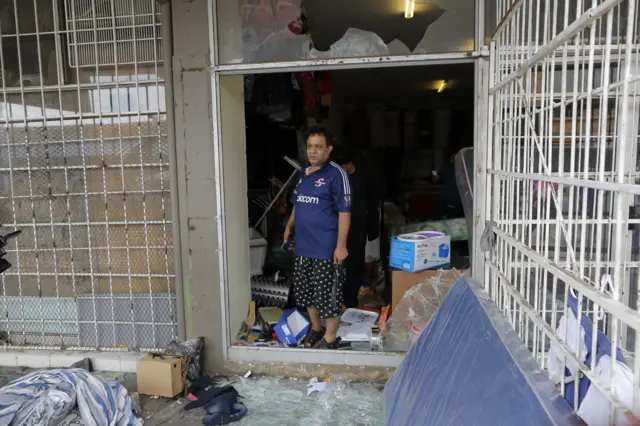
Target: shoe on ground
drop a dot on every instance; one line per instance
(312, 338)
(323, 344)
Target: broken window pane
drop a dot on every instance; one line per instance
(251, 31)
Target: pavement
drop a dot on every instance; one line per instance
(270, 401)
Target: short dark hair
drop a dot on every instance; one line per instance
(342, 154)
(319, 130)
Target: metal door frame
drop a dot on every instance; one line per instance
(249, 354)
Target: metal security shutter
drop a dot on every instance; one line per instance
(84, 172)
(562, 175)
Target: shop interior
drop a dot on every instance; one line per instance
(402, 126)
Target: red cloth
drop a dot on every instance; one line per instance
(310, 92)
(325, 83)
(295, 26)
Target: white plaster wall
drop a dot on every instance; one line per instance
(234, 158)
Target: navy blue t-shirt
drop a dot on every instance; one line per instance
(318, 198)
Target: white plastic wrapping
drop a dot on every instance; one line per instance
(192, 349)
(416, 309)
(355, 42)
(555, 357)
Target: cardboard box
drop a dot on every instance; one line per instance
(429, 253)
(292, 327)
(270, 315)
(401, 281)
(160, 375)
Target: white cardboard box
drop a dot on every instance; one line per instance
(413, 256)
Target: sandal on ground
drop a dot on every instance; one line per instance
(312, 338)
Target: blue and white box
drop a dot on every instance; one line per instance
(292, 327)
(419, 251)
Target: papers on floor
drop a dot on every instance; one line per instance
(316, 386)
(355, 332)
(359, 316)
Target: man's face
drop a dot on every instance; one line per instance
(318, 151)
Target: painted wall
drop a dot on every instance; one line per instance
(234, 157)
(197, 178)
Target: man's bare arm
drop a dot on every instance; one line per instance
(292, 216)
(344, 223)
(341, 253)
(290, 223)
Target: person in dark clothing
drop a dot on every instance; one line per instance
(365, 221)
(450, 201)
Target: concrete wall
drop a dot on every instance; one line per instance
(234, 153)
(196, 161)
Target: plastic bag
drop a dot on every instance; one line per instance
(193, 349)
(273, 32)
(595, 407)
(280, 46)
(416, 309)
(354, 43)
(555, 365)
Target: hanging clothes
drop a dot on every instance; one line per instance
(310, 91)
(273, 95)
(326, 86)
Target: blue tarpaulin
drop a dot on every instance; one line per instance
(470, 368)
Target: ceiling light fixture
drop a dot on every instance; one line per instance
(443, 85)
(409, 8)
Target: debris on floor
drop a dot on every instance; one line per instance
(281, 401)
(292, 327)
(273, 327)
(269, 401)
(316, 386)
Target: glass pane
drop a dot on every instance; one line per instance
(251, 31)
(490, 20)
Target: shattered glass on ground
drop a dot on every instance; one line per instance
(279, 401)
(271, 401)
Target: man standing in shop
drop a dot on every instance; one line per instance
(321, 218)
(365, 220)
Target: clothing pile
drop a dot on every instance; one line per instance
(47, 397)
(220, 402)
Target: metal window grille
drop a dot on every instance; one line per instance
(104, 29)
(562, 180)
(84, 172)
